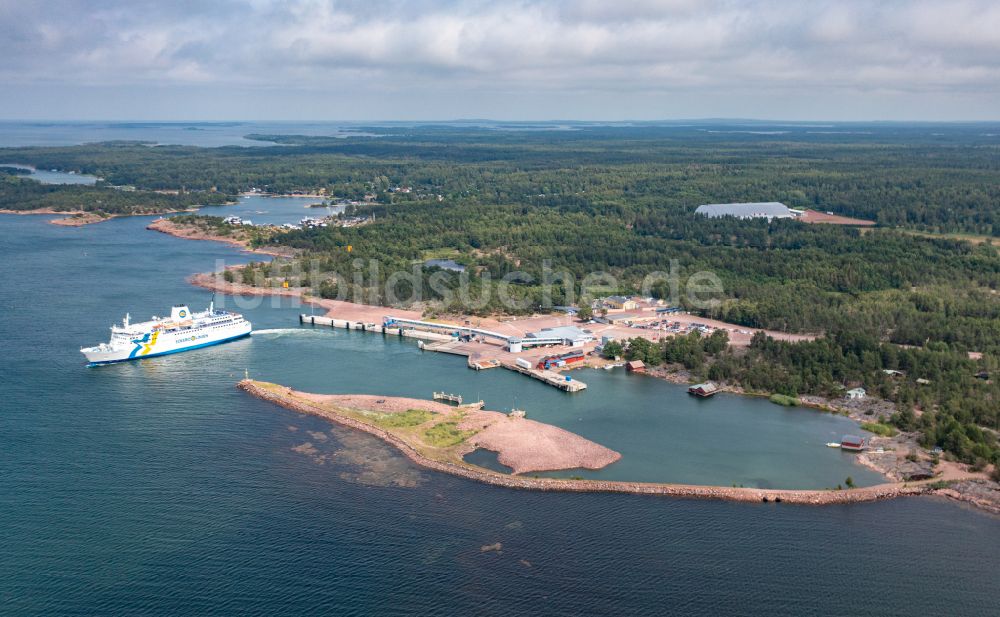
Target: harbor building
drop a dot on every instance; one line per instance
(569, 335)
(620, 303)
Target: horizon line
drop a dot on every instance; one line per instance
(491, 120)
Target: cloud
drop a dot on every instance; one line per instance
(672, 47)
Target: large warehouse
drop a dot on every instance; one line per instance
(768, 209)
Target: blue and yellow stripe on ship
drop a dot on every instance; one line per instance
(144, 345)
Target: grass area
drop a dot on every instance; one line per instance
(405, 424)
(879, 428)
(410, 417)
(973, 238)
(787, 401)
(446, 434)
(440, 253)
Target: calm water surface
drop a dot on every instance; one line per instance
(158, 488)
(272, 210)
(205, 134)
(47, 176)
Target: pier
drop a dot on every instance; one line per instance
(451, 398)
(511, 343)
(345, 324)
(558, 380)
(446, 338)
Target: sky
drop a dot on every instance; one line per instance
(502, 60)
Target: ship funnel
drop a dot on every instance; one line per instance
(180, 313)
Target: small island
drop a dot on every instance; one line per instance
(438, 435)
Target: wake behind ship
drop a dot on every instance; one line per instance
(182, 331)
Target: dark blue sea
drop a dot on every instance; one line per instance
(157, 488)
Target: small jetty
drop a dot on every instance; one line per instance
(704, 390)
(482, 365)
(558, 380)
(451, 398)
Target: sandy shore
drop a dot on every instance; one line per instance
(214, 282)
(522, 444)
(288, 400)
(339, 309)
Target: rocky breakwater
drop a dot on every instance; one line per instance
(287, 398)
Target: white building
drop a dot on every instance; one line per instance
(856, 393)
(570, 335)
(768, 209)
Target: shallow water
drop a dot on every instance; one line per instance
(156, 487)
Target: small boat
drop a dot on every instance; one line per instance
(852, 443)
(833, 444)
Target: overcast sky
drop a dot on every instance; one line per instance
(506, 60)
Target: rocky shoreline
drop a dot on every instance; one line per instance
(898, 457)
(186, 232)
(79, 218)
(74, 218)
(747, 495)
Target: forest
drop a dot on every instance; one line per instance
(942, 395)
(20, 193)
(937, 178)
(908, 294)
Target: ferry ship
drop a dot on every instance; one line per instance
(182, 331)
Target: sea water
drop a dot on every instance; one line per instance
(156, 487)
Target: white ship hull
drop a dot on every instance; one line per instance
(182, 332)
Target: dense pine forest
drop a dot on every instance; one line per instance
(21, 193)
(916, 293)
